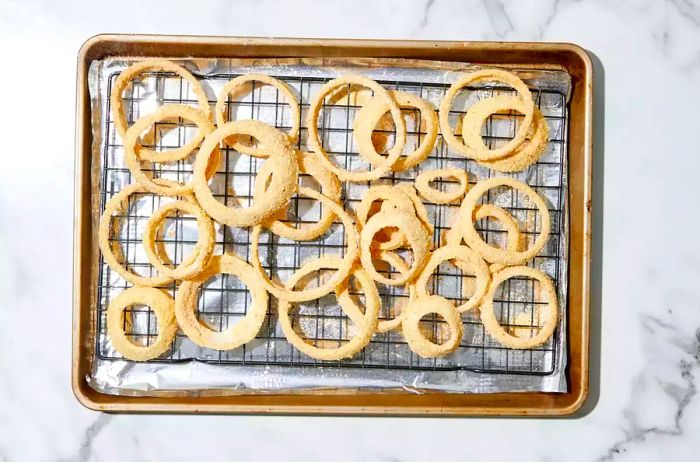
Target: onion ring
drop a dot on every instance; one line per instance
(201, 253)
(390, 238)
(397, 262)
(391, 196)
(410, 324)
(237, 82)
(114, 204)
(354, 312)
(513, 236)
(418, 206)
(382, 133)
(385, 193)
(526, 153)
(368, 117)
(162, 306)
(493, 254)
(118, 111)
(442, 197)
(460, 253)
(330, 187)
(479, 151)
(314, 140)
(170, 111)
(280, 189)
(453, 236)
(366, 324)
(244, 330)
(351, 239)
(131, 153)
(493, 327)
(413, 230)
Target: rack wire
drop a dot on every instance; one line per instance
(224, 299)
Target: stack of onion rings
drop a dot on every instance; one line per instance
(389, 197)
(380, 94)
(287, 291)
(133, 154)
(278, 192)
(372, 112)
(465, 223)
(330, 187)
(366, 323)
(519, 152)
(389, 220)
(413, 231)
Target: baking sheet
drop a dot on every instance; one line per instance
(269, 364)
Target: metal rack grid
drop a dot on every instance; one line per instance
(224, 299)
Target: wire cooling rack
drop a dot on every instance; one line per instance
(224, 299)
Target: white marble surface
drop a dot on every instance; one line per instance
(644, 406)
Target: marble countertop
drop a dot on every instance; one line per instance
(646, 345)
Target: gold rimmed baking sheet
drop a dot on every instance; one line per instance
(341, 398)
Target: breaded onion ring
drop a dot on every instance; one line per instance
(330, 187)
(513, 236)
(391, 196)
(197, 260)
(493, 327)
(118, 111)
(131, 152)
(234, 85)
(478, 150)
(170, 111)
(366, 324)
(400, 265)
(111, 253)
(384, 193)
(415, 233)
(526, 153)
(463, 254)
(465, 223)
(454, 236)
(283, 292)
(418, 206)
(280, 189)
(244, 330)
(513, 239)
(410, 324)
(162, 306)
(442, 197)
(314, 140)
(353, 311)
(368, 117)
